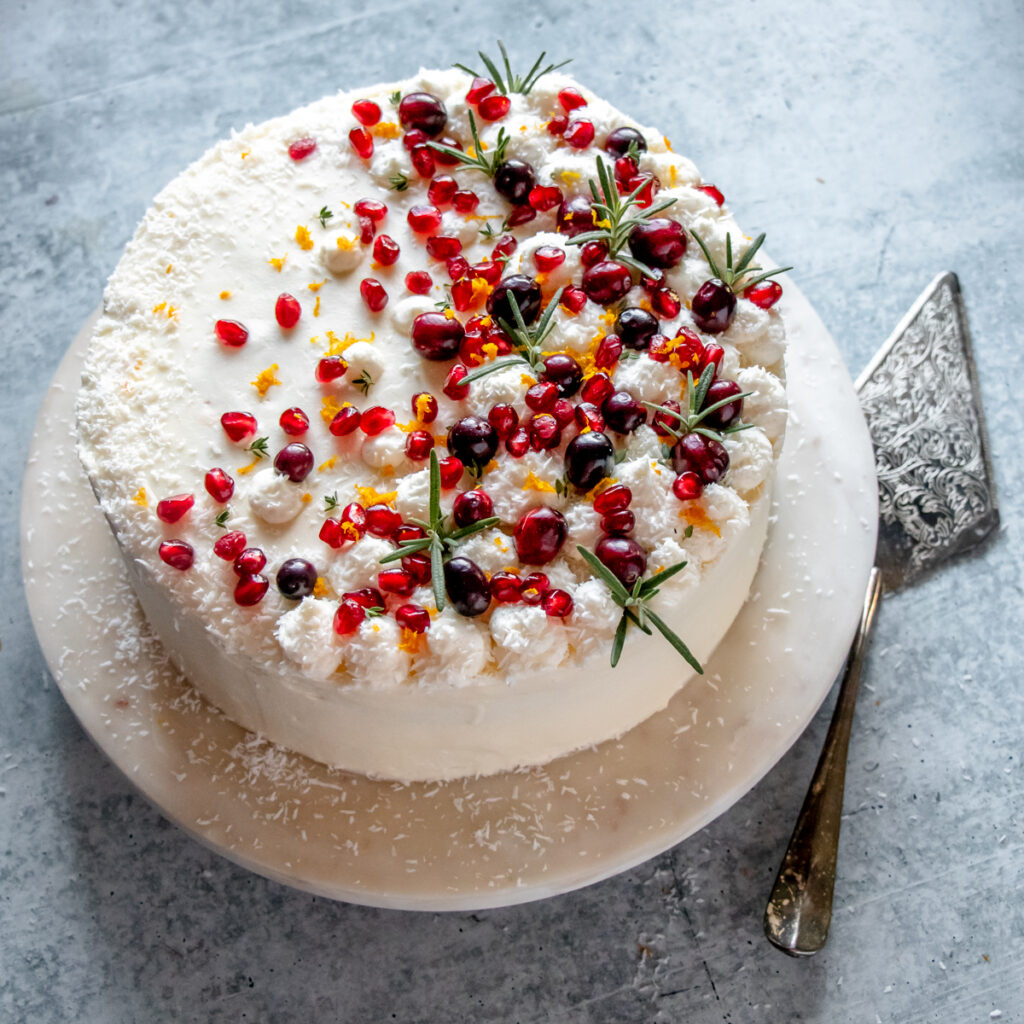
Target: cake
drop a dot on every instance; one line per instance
(437, 422)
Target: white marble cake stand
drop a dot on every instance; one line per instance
(471, 843)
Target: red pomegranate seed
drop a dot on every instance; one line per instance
(413, 617)
(504, 419)
(659, 348)
(521, 215)
(574, 299)
(423, 160)
(688, 350)
(534, 587)
(545, 197)
(488, 270)
(625, 168)
(597, 388)
(453, 386)
(765, 294)
(230, 546)
(505, 246)
(373, 293)
(614, 498)
(443, 247)
(418, 564)
(457, 266)
(713, 354)
(294, 421)
(711, 190)
(557, 604)
(451, 471)
(562, 411)
(651, 186)
(618, 523)
(418, 445)
(382, 520)
(249, 561)
(442, 189)
(465, 201)
(588, 416)
(545, 432)
(376, 420)
(250, 590)
(424, 407)
(413, 138)
(396, 581)
(231, 333)
(419, 282)
(371, 208)
(301, 148)
(352, 522)
(462, 300)
(505, 587)
(424, 218)
(541, 396)
(330, 533)
(580, 134)
(558, 124)
(366, 112)
(287, 310)
(571, 99)
(592, 252)
(239, 426)
(330, 368)
(348, 617)
(687, 486)
(367, 229)
(178, 554)
(362, 142)
(408, 532)
(386, 250)
(608, 352)
(471, 348)
(519, 443)
(219, 485)
(548, 258)
(662, 422)
(665, 303)
(494, 107)
(479, 88)
(366, 597)
(345, 421)
(170, 510)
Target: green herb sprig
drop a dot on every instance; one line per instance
(398, 182)
(259, 447)
(324, 216)
(689, 422)
(733, 276)
(440, 538)
(481, 159)
(222, 518)
(635, 605)
(330, 502)
(511, 82)
(364, 382)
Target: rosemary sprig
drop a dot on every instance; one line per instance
(635, 605)
(364, 382)
(511, 82)
(480, 159)
(733, 276)
(399, 182)
(690, 421)
(324, 216)
(526, 338)
(259, 447)
(615, 226)
(440, 538)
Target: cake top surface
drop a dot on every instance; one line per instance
(371, 375)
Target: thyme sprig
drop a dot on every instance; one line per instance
(330, 502)
(259, 447)
(440, 537)
(479, 157)
(527, 339)
(614, 226)
(733, 276)
(512, 82)
(324, 216)
(635, 605)
(689, 422)
(364, 382)
(222, 518)
(399, 182)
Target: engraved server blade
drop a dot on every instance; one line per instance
(936, 490)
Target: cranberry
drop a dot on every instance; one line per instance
(219, 485)
(294, 421)
(588, 459)
(473, 441)
(608, 351)
(534, 587)
(287, 310)
(688, 486)
(418, 445)
(727, 415)
(635, 326)
(514, 179)
(540, 397)
(527, 297)
(504, 419)
(301, 148)
(296, 578)
(614, 499)
(348, 617)
(606, 282)
(713, 192)
(713, 306)
(570, 99)
(580, 134)
(231, 333)
(239, 426)
(557, 604)
(419, 282)
(230, 546)
(518, 444)
(465, 201)
(413, 617)
(618, 523)
(396, 581)
(545, 197)
(423, 161)
(424, 407)
(436, 336)
(505, 587)
(472, 506)
(665, 302)
(345, 421)
(765, 294)
(249, 590)
(454, 386)
(295, 461)
(588, 416)
(170, 510)
(592, 253)
(494, 107)
(539, 535)
(623, 412)
(619, 141)
(366, 112)
(444, 247)
(330, 369)
(478, 89)
(423, 112)
(373, 293)
(178, 554)
(249, 562)
(386, 250)
(451, 471)
(548, 257)
(658, 242)
(695, 453)
(376, 420)
(424, 218)
(382, 520)
(575, 215)
(362, 142)
(597, 388)
(624, 557)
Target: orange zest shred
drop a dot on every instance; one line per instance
(224, 295)
(346, 244)
(266, 379)
(320, 588)
(315, 286)
(330, 407)
(327, 463)
(307, 498)
(242, 470)
(316, 307)
(170, 267)
(696, 516)
(368, 496)
(278, 262)
(410, 642)
(303, 238)
(601, 485)
(338, 345)
(386, 130)
(140, 498)
(534, 483)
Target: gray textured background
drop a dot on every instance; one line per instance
(876, 144)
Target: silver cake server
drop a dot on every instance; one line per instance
(937, 498)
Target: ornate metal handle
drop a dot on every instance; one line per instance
(799, 909)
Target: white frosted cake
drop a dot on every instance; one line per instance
(437, 423)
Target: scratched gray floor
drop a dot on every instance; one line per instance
(877, 145)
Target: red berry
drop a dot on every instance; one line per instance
(249, 562)
(607, 282)
(713, 354)
(557, 604)
(345, 421)
(423, 160)
(362, 142)
(658, 242)
(178, 554)
(548, 257)
(294, 421)
(352, 522)
(382, 520)
(386, 250)
(465, 201)
(545, 197)
(608, 351)
(689, 352)
(593, 252)
(580, 134)
(613, 499)
(424, 407)
(494, 107)
(348, 617)
(695, 453)
(453, 386)
(295, 461)
(366, 112)
(413, 617)
(376, 420)
(558, 124)
(625, 168)
(373, 293)
(419, 282)
(643, 186)
(239, 426)
(170, 510)
(451, 471)
(765, 294)
(370, 208)
(562, 410)
(287, 310)
(479, 88)
(457, 266)
(713, 307)
(521, 215)
(443, 247)
(418, 445)
(413, 138)
(711, 190)
(541, 396)
(424, 218)
(472, 506)
(296, 579)
(505, 246)
(574, 299)
(423, 112)
(301, 148)
(571, 99)
(519, 443)
(230, 546)
(618, 523)
(539, 535)
(597, 388)
(219, 485)
(505, 587)
(249, 590)
(231, 333)
(687, 486)
(396, 581)
(626, 559)
(442, 189)
(623, 413)
(330, 369)
(588, 416)
(534, 587)
(504, 419)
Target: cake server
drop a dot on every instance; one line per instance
(937, 499)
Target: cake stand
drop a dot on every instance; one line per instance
(483, 842)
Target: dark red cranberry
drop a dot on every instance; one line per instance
(386, 250)
(494, 107)
(249, 590)
(178, 554)
(713, 306)
(296, 578)
(249, 562)
(658, 242)
(473, 441)
(436, 336)
(575, 215)
(424, 112)
(527, 297)
(539, 535)
(413, 617)
(219, 485)
(521, 214)
(589, 459)
(301, 148)
(618, 523)
(504, 419)
(239, 426)
(765, 294)
(231, 333)
(467, 586)
(623, 413)
(687, 486)
(534, 587)
(615, 498)
(606, 282)
(505, 587)
(695, 453)
(619, 141)
(557, 604)
(635, 326)
(725, 417)
(345, 421)
(170, 510)
(418, 445)
(513, 179)
(295, 461)
(419, 282)
(519, 443)
(287, 310)
(472, 506)
(592, 253)
(624, 557)
(348, 617)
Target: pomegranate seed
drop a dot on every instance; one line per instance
(545, 432)
(765, 294)
(386, 250)
(465, 201)
(443, 247)
(424, 407)
(414, 138)
(713, 354)
(396, 581)
(618, 523)
(557, 604)
(453, 386)
(352, 522)
(588, 416)
(219, 485)
(442, 189)
(295, 461)
(348, 617)
(422, 111)
(301, 148)
(423, 160)
(418, 445)
(178, 554)
(287, 310)
(239, 426)
(558, 124)
(231, 333)
(376, 420)
(382, 521)
(494, 107)
(294, 421)
(562, 410)
(521, 215)
(451, 471)
(366, 112)
(418, 564)
(419, 282)
(374, 294)
(471, 348)
(345, 421)
(545, 197)
(597, 388)
(519, 443)
(457, 266)
(593, 252)
(571, 99)
(367, 229)
(608, 351)
(413, 617)
(548, 258)
(663, 423)
(580, 134)
(330, 533)
(625, 168)
(424, 218)
(487, 270)
(505, 246)
(574, 299)
(711, 190)
(479, 88)
(651, 186)
(170, 510)
(659, 348)
(607, 282)
(230, 546)
(687, 486)
(541, 396)
(504, 419)
(249, 562)
(250, 590)
(408, 532)
(689, 352)
(665, 303)
(534, 587)
(362, 142)
(505, 587)
(365, 597)
(372, 208)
